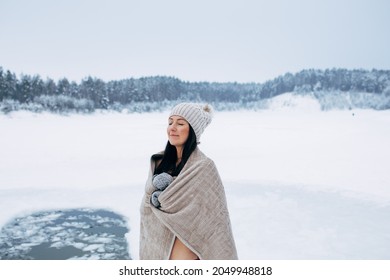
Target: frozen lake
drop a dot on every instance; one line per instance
(65, 234)
(300, 184)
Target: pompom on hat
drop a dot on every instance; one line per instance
(199, 116)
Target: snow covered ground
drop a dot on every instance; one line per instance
(300, 183)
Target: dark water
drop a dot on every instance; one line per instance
(65, 234)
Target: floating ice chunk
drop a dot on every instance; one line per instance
(94, 247)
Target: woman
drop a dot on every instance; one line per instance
(184, 213)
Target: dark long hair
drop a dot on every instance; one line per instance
(169, 158)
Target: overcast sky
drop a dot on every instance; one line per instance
(200, 40)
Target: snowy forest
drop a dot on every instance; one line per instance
(333, 88)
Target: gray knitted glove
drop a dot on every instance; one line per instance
(154, 199)
(162, 180)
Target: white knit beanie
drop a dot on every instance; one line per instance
(197, 115)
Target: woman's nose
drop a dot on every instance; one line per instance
(172, 127)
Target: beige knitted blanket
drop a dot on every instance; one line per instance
(193, 209)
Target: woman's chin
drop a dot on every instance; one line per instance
(175, 143)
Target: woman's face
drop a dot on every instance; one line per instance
(178, 131)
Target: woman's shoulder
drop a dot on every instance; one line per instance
(203, 158)
(156, 159)
(157, 156)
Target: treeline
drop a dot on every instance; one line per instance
(153, 93)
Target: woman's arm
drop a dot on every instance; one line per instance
(181, 252)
